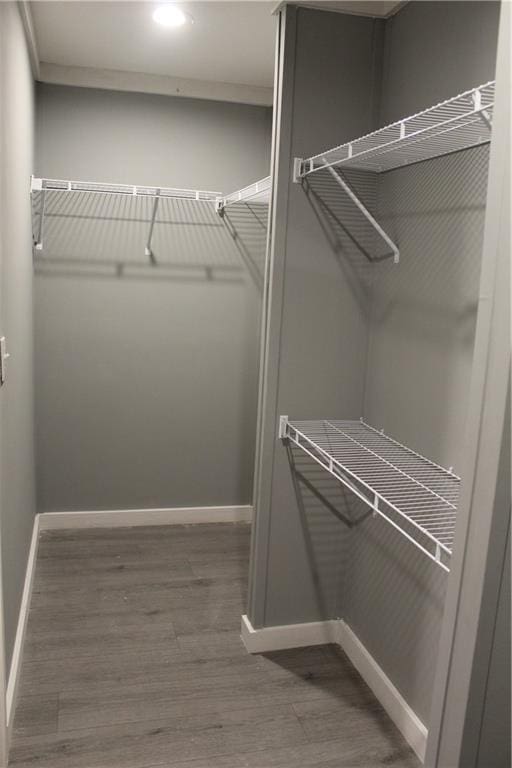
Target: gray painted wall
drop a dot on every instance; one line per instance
(419, 317)
(17, 502)
(147, 376)
(319, 318)
(494, 747)
(422, 327)
(434, 51)
(424, 313)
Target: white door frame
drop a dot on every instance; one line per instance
(3, 673)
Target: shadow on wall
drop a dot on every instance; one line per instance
(92, 235)
(347, 229)
(424, 309)
(247, 224)
(351, 238)
(365, 572)
(328, 511)
(393, 599)
(332, 700)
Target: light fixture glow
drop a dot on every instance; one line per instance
(170, 16)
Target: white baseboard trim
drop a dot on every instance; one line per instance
(118, 518)
(337, 631)
(287, 636)
(406, 720)
(19, 640)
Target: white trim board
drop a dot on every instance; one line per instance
(19, 640)
(287, 636)
(119, 518)
(374, 9)
(337, 631)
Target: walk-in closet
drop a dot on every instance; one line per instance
(255, 384)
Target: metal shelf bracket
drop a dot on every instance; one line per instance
(338, 178)
(147, 250)
(479, 109)
(297, 170)
(36, 185)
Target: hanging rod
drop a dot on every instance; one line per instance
(416, 496)
(45, 186)
(258, 192)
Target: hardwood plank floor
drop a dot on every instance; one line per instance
(133, 659)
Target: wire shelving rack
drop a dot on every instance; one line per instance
(413, 494)
(45, 187)
(461, 122)
(257, 192)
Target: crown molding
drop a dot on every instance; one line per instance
(140, 82)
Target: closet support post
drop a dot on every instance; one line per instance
(364, 210)
(147, 250)
(36, 185)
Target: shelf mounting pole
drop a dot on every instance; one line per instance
(364, 210)
(38, 245)
(147, 250)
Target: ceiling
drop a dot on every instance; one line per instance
(227, 53)
(228, 42)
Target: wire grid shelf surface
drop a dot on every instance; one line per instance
(258, 192)
(63, 185)
(458, 123)
(415, 495)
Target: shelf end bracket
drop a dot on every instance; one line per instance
(283, 427)
(37, 186)
(298, 164)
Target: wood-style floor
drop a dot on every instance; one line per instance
(133, 660)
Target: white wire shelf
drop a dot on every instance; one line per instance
(258, 192)
(413, 494)
(459, 123)
(44, 187)
(64, 185)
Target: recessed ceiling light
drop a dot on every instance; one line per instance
(170, 16)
